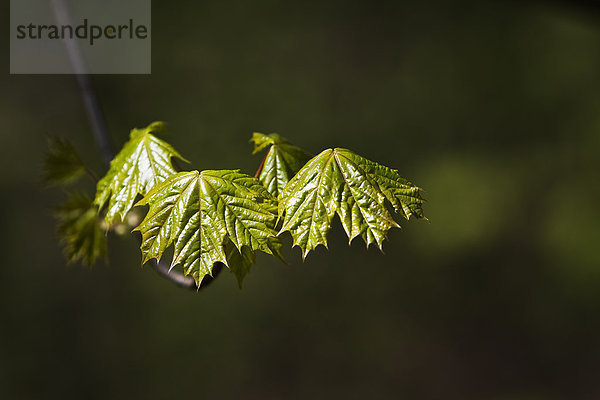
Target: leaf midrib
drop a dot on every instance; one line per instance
(352, 192)
(227, 206)
(317, 188)
(177, 199)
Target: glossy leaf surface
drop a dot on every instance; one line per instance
(358, 190)
(282, 161)
(206, 215)
(144, 161)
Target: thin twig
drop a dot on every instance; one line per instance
(88, 94)
(182, 280)
(96, 118)
(174, 276)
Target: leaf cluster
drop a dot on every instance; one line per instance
(79, 226)
(215, 217)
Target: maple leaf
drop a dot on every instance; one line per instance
(144, 161)
(358, 190)
(205, 215)
(62, 164)
(80, 229)
(282, 161)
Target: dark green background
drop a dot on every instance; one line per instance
(492, 107)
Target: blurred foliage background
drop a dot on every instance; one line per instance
(492, 107)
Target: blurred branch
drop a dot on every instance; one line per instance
(182, 280)
(96, 118)
(88, 94)
(174, 276)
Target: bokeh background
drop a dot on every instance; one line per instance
(493, 107)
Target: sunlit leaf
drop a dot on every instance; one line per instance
(282, 161)
(358, 190)
(199, 213)
(62, 164)
(80, 229)
(143, 162)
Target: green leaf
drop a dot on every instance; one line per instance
(358, 190)
(280, 164)
(62, 164)
(239, 262)
(201, 212)
(80, 229)
(143, 162)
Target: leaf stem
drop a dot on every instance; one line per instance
(262, 164)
